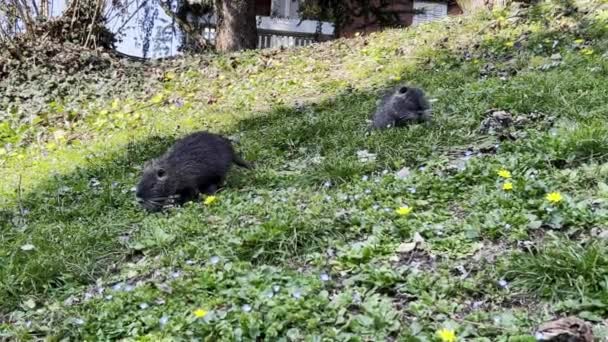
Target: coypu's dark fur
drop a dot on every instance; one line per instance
(197, 163)
(402, 106)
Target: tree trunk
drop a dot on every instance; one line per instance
(236, 25)
(44, 8)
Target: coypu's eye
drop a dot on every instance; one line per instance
(161, 173)
(403, 90)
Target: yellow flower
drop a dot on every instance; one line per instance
(579, 41)
(210, 200)
(403, 211)
(169, 76)
(507, 186)
(200, 313)
(509, 44)
(447, 335)
(587, 51)
(504, 173)
(158, 98)
(554, 197)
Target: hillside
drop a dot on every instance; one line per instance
(488, 221)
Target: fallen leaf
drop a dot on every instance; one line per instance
(28, 247)
(571, 329)
(403, 173)
(406, 247)
(418, 238)
(30, 304)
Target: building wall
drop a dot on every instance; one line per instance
(263, 7)
(403, 9)
(279, 15)
(367, 24)
(285, 8)
(431, 11)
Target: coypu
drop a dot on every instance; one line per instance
(197, 163)
(402, 106)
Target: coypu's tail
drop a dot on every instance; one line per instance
(241, 162)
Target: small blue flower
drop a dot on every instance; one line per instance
(163, 321)
(214, 260)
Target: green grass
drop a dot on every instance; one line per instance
(562, 269)
(308, 246)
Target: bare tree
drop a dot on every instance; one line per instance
(44, 8)
(82, 22)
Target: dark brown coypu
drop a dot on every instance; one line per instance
(197, 163)
(402, 106)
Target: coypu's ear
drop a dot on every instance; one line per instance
(149, 164)
(403, 90)
(161, 173)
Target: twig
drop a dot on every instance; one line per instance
(74, 4)
(145, 2)
(13, 49)
(26, 19)
(19, 194)
(35, 8)
(184, 25)
(92, 26)
(110, 15)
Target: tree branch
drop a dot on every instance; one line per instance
(185, 26)
(143, 3)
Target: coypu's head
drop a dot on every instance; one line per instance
(411, 105)
(157, 186)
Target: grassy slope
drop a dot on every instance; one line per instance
(309, 244)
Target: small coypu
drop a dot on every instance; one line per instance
(197, 163)
(402, 106)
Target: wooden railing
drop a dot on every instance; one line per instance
(274, 33)
(273, 39)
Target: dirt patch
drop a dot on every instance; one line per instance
(508, 126)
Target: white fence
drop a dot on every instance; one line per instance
(432, 11)
(274, 39)
(283, 32)
(269, 39)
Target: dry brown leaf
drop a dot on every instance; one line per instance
(567, 329)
